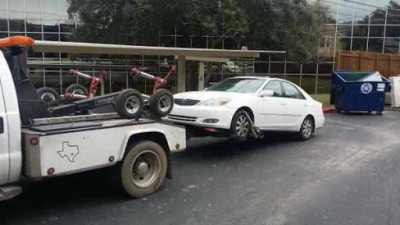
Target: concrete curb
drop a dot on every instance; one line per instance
(329, 109)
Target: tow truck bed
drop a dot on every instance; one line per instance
(55, 148)
(66, 124)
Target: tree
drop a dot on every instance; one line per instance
(290, 25)
(220, 19)
(141, 21)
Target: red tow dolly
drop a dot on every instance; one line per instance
(94, 82)
(128, 103)
(161, 102)
(73, 92)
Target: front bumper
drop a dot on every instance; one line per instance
(198, 116)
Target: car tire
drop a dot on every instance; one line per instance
(240, 126)
(76, 89)
(307, 129)
(143, 169)
(129, 104)
(47, 94)
(161, 102)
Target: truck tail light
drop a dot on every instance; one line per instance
(50, 171)
(34, 141)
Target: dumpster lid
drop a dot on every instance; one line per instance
(360, 76)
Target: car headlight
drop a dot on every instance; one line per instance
(214, 102)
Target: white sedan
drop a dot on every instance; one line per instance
(273, 104)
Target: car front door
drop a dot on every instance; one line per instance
(271, 110)
(296, 104)
(4, 149)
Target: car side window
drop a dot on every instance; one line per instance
(291, 91)
(274, 86)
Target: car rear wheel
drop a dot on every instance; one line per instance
(240, 126)
(306, 129)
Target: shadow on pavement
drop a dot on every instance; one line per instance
(223, 148)
(91, 189)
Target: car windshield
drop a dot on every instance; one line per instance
(238, 85)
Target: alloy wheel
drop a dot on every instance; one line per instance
(307, 128)
(242, 126)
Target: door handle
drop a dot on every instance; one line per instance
(282, 103)
(1, 125)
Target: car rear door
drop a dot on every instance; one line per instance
(296, 104)
(271, 110)
(4, 141)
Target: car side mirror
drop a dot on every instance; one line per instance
(266, 93)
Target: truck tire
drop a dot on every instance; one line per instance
(143, 169)
(240, 126)
(161, 102)
(47, 94)
(129, 104)
(307, 129)
(76, 89)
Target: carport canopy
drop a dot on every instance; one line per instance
(182, 54)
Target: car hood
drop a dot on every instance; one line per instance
(205, 95)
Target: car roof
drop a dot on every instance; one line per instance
(251, 77)
(260, 78)
(266, 78)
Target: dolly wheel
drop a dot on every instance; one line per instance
(129, 104)
(161, 102)
(48, 94)
(76, 89)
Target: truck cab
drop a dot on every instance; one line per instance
(10, 124)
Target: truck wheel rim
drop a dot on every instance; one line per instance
(146, 169)
(47, 97)
(164, 103)
(132, 104)
(242, 126)
(307, 128)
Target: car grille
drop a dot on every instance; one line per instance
(182, 118)
(187, 102)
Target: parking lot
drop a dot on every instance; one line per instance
(348, 173)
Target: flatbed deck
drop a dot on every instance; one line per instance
(66, 124)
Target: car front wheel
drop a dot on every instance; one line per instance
(240, 126)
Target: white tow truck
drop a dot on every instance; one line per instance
(38, 147)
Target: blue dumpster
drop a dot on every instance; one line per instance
(359, 91)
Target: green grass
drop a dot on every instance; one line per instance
(323, 98)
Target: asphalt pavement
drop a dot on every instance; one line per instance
(348, 173)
